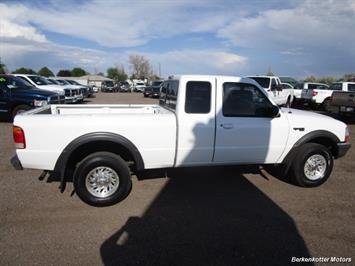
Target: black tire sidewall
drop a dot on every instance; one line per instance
(304, 153)
(102, 159)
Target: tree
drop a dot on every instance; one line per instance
(78, 72)
(64, 73)
(23, 70)
(46, 72)
(2, 68)
(117, 73)
(326, 80)
(310, 79)
(348, 77)
(140, 65)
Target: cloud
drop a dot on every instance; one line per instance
(10, 24)
(311, 25)
(16, 51)
(120, 23)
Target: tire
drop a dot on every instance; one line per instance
(320, 155)
(20, 109)
(326, 105)
(114, 167)
(288, 103)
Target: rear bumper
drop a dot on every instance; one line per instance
(16, 163)
(343, 149)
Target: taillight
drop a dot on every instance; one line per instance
(19, 137)
(347, 135)
(314, 93)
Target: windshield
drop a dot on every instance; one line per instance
(73, 82)
(17, 83)
(52, 81)
(63, 82)
(109, 83)
(39, 80)
(157, 83)
(263, 82)
(140, 84)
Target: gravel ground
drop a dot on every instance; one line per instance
(202, 216)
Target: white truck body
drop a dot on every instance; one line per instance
(29, 78)
(172, 137)
(316, 92)
(276, 91)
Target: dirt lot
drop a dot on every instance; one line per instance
(196, 217)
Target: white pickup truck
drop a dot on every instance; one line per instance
(281, 93)
(317, 94)
(200, 121)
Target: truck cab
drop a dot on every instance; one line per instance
(281, 94)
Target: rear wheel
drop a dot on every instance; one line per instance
(312, 166)
(102, 179)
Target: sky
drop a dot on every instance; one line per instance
(295, 38)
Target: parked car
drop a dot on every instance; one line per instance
(42, 83)
(153, 90)
(108, 86)
(17, 96)
(124, 86)
(72, 93)
(89, 91)
(139, 87)
(282, 95)
(200, 121)
(316, 94)
(343, 97)
(293, 82)
(83, 90)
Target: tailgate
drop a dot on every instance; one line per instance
(340, 98)
(307, 94)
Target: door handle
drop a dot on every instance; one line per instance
(227, 126)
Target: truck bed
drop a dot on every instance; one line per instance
(91, 109)
(343, 98)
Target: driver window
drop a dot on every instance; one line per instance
(244, 100)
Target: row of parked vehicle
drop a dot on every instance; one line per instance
(19, 92)
(122, 86)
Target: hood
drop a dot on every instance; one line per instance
(32, 93)
(55, 88)
(312, 121)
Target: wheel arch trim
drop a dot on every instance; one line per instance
(63, 158)
(287, 161)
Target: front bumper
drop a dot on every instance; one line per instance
(343, 149)
(16, 163)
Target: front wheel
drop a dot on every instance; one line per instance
(326, 105)
(312, 166)
(102, 179)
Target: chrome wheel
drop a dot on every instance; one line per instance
(102, 181)
(315, 167)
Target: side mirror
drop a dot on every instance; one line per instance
(274, 111)
(273, 87)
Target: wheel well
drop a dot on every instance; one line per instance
(327, 142)
(97, 146)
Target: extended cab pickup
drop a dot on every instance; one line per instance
(200, 121)
(344, 97)
(282, 94)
